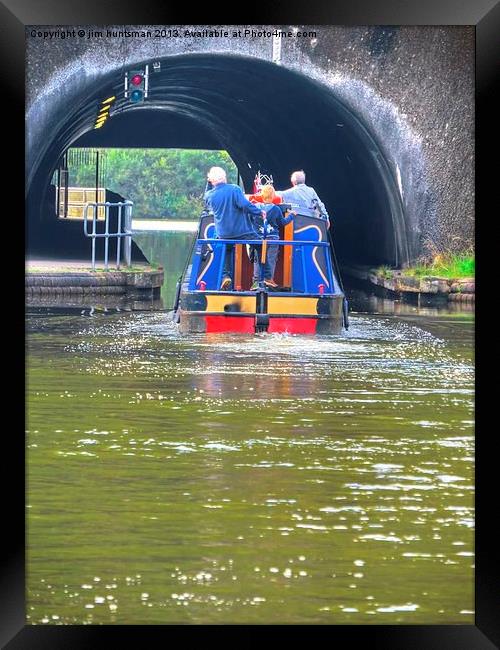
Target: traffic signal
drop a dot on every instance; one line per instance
(136, 85)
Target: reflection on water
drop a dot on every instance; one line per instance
(249, 479)
(170, 250)
(365, 300)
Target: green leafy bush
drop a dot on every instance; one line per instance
(161, 182)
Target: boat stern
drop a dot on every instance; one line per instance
(242, 312)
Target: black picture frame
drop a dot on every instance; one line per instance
(485, 16)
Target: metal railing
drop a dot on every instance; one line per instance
(127, 230)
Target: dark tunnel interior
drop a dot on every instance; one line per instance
(266, 116)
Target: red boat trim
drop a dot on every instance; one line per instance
(243, 324)
(292, 325)
(246, 324)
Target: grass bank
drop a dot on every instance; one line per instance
(441, 266)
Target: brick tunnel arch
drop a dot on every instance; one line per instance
(265, 116)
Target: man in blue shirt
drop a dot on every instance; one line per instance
(232, 215)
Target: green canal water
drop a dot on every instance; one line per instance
(169, 250)
(261, 479)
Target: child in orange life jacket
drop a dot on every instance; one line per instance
(268, 228)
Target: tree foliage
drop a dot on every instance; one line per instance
(160, 182)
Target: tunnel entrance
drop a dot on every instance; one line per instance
(266, 117)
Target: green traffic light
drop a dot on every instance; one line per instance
(136, 95)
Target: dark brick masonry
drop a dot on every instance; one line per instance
(147, 282)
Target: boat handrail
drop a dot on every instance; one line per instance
(297, 278)
(282, 242)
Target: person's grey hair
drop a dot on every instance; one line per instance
(217, 175)
(298, 177)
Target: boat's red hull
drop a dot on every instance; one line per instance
(246, 324)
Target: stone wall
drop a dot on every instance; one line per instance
(413, 88)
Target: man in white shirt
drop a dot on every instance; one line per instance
(304, 195)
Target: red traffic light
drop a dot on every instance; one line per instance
(136, 80)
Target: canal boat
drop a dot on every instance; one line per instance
(309, 298)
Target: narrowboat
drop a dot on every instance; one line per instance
(309, 298)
